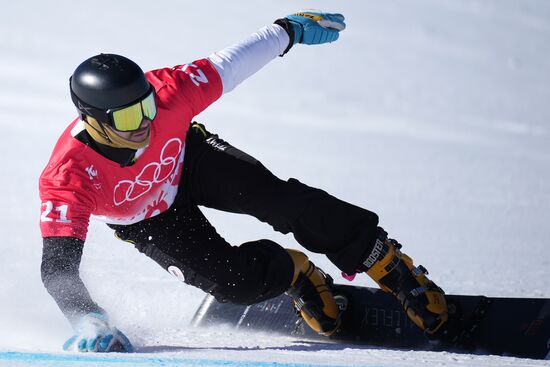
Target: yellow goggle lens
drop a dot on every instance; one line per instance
(130, 118)
(149, 107)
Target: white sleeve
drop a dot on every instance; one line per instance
(236, 63)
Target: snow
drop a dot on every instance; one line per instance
(432, 113)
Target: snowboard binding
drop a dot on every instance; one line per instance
(461, 327)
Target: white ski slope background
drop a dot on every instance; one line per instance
(435, 114)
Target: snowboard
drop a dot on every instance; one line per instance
(518, 327)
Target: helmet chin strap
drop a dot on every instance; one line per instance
(104, 134)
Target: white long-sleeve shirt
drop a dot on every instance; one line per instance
(238, 62)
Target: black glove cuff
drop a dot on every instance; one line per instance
(285, 23)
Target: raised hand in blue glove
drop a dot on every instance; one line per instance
(94, 334)
(312, 28)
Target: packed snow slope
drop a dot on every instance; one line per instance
(435, 114)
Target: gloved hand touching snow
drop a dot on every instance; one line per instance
(94, 334)
(312, 28)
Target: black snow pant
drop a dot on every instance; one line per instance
(217, 175)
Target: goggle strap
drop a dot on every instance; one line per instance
(86, 110)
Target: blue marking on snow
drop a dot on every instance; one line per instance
(69, 359)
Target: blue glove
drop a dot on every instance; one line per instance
(94, 334)
(312, 28)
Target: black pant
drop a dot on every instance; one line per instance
(217, 175)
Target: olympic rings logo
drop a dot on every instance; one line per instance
(152, 173)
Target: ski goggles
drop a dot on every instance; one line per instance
(124, 118)
(130, 118)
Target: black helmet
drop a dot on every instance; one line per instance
(107, 81)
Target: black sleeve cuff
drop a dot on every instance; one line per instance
(285, 23)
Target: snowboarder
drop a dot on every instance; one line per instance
(134, 159)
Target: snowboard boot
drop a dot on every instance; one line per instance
(423, 301)
(312, 296)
